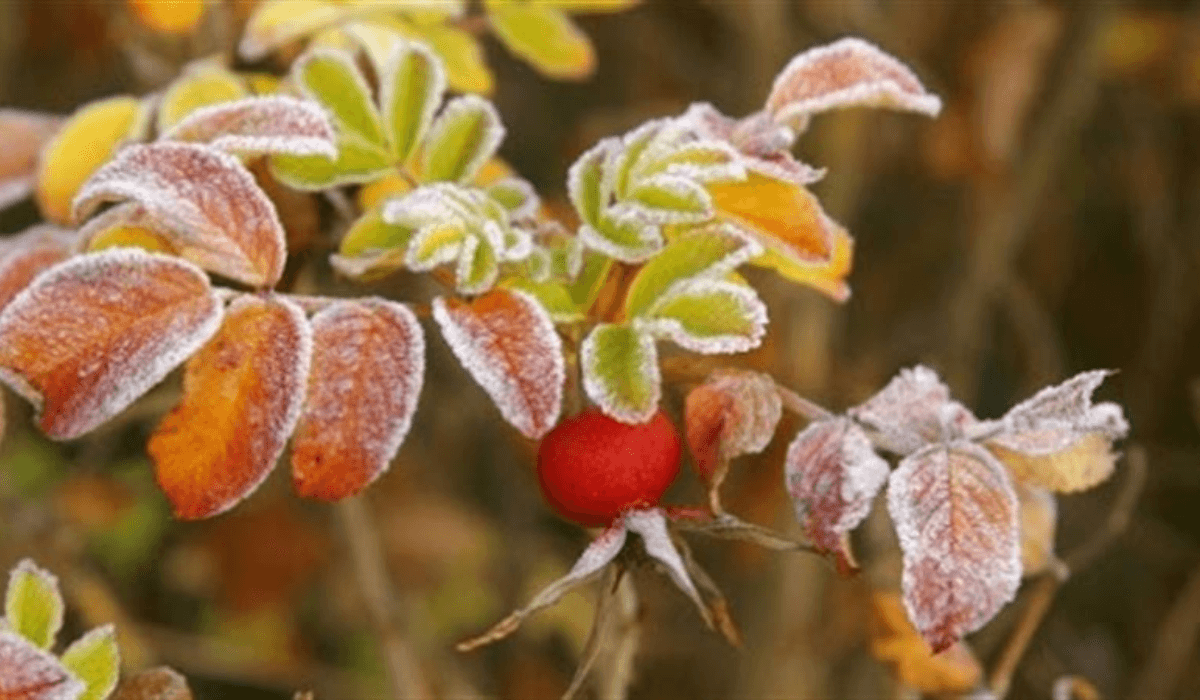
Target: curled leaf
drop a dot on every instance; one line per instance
(260, 125)
(29, 673)
(621, 373)
(735, 412)
(913, 410)
(33, 607)
(708, 316)
(91, 335)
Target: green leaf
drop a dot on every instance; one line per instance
(708, 316)
(553, 296)
(435, 245)
(622, 161)
(544, 36)
(371, 233)
(331, 78)
(466, 133)
(33, 606)
(466, 68)
(585, 181)
(712, 250)
(477, 266)
(201, 84)
(592, 274)
(94, 658)
(356, 162)
(413, 84)
(623, 235)
(701, 161)
(620, 372)
(671, 199)
(516, 195)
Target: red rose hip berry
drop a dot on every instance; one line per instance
(593, 468)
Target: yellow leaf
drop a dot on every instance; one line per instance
(1081, 466)
(169, 16)
(466, 67)
(202, 84)
(895, 641)
(86, 141)
(385, 187)
(544, 36)
(594, 5)
(276, 22)
(130, 237)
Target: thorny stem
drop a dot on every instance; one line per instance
(366, 552)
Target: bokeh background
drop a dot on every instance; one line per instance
(1046, 223)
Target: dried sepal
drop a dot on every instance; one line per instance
(734, 412)
(849, 72)
(96, 660)
(368, 366)
(205, 200)
(260, 125)
(598, 555)
(94, 333)
(508, 344)
(242, 395)
(29, 673)
(464, 136)
(708, 316)
(955, 512)
(833, 475)
(912, 411)
(22, 136)
(27, 254)
(33, 607)
(651, 525)
(621, 373)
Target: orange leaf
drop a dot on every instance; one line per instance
(27, 254)
(733, 413)
(896, 642)
(22, 135)
(368, 365)
(168, 16)
(91, 335)
(241, 398)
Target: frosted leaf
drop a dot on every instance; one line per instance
(734, 412)
(27, 254)
(553, 296)
(652, 526)
(435, 245)
(913, 410)
(28, 673)
(332, 79)
(125, 225)
(711, 251)
(242, 395)
(700, 160)
(276, 22)
(621, 373)
(95, 659)
(763, 145)
(160, 683)
(411, 88)
(669, 199)
(833, 475)
(598, 555)
(94, 333)
(708, 316)
(33, 606)
(368, 366)
(22, 135)
(260, 125)
(621, 161)
(849, 72)
(624, 235)
(204, 199)
(478, 266)
(464, 136)
(585, 181)
(956, 516)
(517, 196)
(507, 343)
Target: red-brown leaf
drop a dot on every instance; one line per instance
(206, 200)
(507, 341)
(956, 515)
(28, 673)
(241, 398)
(368, 366)
(735, 412)
(27, 254)
(91, 335)
(260, 125)
(913, 410)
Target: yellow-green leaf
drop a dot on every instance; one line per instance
(708, 316)
(33, 607)
(200, 85)
(464, 136)
(709, 250)
(276, 22)
(620, 372)
(94, 658)
(370, 232)
(554, 296)
(357, 161)
(544, 36)
(413, 83)
(331, 78)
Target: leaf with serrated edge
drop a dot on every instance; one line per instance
(202, 83)
(33, 607)
(507, 343)
(242, 395)
(94, 658)
(598, 554)
(710, 251)
(94, 333)
(735, 412)
(833, 474)
(708, 316)
(27, 254)
(331, 78)
(464, 136)
(670, 199)
(412, 87)
(956, 516)
(206, 200)
(29, 673)
(368, 366)
(912, 411)
(357, 162)
(621, 373)
(545, 37)
(260, 125)
(22, 136)
(847, 73)
(652, 526)
(585, 181)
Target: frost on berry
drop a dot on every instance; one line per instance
(847, 73)
(368, 365)
(913, 410)
(22, 135)
(833, 475)
(260, 125)
(204, 200)
(241, 398)
(507, 342)
(734, 413)
(956, 516)
(91, 335)
(25, 255)
(28, 673)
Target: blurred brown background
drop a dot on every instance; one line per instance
(1046, 223)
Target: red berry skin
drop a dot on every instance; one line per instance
(593, 468)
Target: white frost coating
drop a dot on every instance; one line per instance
(518, 243)
(49, 595)
(434, 89)
(260, 125)
(460, 108)
(832, 475)
(123, 215)
(478, 266)
(695, 204)
(205, 199)
(751, 309)
(61, 311)
(1058, 416)
(603, 389)
(754, 411)
(955, 513)
(356, 77)
(911, 411)
(652, 526)
(518, 189)
(585, 180)
(704, 160)
(511, 349)
(621, 160)
(420, 258)
(648, 237)
(28, 673)
(849, 72)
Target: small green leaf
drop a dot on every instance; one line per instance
(593, 271)
(619, 169)
(371, 233)
(544, 36)
(435, 245)
(516, 195)
(413, 84)
(585, 181)
(672, 199)
(356, 162)
(331, 78)
(708, 316)
(466, 133)
(554, 296)
(477, 266)
(33, 606)
(623, 235)
(711, 250)
(620, 372)
(95, 660)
